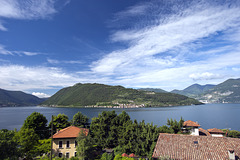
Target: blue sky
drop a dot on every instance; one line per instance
(170, 44)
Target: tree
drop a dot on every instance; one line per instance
(8, 146)
(175, 125)
(59, 122)
(27, 140)
(80, 120)
(84, 146)
(38, 123)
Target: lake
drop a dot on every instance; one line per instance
(208, 116)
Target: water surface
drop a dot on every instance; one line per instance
(208, 116)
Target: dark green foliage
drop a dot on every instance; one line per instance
(80, 120)
(232, 133)
(99, 94)
(59, 122)
(17, 98)
(8, 146)
(38, 123)
(43, 147)
(110, 130)
(106, 156)
(28, 141)
(175, 125)
(157, 90)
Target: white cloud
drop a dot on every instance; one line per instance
(4, 51)
(17, 77)
(204, 76)
(156, 39)
(54, 61)
(30, 9)
(40, 95)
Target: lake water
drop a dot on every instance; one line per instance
(208, 116)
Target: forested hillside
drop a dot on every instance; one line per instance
(105, 95)
(17, 98)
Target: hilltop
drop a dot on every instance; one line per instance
(226, 92)
(17, 98)
(194, 90)
(106, 95)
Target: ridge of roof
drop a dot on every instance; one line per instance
(190, 123)
(215, 130)
(70, 132)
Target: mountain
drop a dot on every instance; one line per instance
(105, 95)
(158, 90)
(17, 98)
(194, 90)
(226, 92)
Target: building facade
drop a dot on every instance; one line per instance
(64, 141)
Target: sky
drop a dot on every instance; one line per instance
(169, 44)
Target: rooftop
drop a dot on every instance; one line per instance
(190, 123)
(215, 130)
(178, 146)
(70, 132)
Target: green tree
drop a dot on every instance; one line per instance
(106, 156)
(38, 123)
(80, 120)
(175, 125)
(43, 146)
(8, 146)
(59, 122)
(83, 146)
(27, 140)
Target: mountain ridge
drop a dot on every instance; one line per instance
(105, 95)
(17, 98)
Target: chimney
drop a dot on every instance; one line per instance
(231, 154)
(57, 130)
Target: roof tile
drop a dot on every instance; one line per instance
(70, 132)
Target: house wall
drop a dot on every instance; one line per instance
(64, 148)
(195, 131)
(216, 135)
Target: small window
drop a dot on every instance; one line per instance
(68, 144)
(60, 144)
(60, 155)
(75, 154)
(67, 155)
(76, 144)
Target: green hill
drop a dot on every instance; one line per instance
(226, 92)
(105, 95)
(194, 90)
(17, 98)
(157, 90)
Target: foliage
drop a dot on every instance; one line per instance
(59, 122)
(38, 123)
(43, 147)
(84, 146)
(80, 120)
(119, 157)
(232, 133)
(27, 140)
(110, 130)
(95, 94)
(8, 146)
(106, 156)
(175, 125)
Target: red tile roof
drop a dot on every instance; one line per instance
(190, 123)
(203, 131)
(215, 130)
(70, 132)
(132, 155)
(124, 155)
(186, 147)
